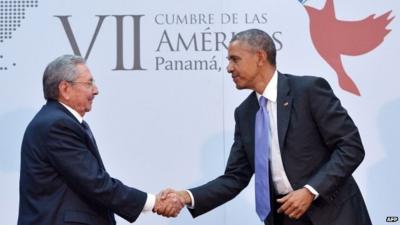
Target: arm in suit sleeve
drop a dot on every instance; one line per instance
(340, 135)
(68, 153)
(237, 175)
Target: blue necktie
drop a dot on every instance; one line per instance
(261, 161)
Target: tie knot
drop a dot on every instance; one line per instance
(87, 129)
(262, 101)
(85, 125)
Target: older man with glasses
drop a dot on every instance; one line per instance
(63, 179)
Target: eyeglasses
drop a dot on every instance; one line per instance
(88, 84)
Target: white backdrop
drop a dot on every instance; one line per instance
(161, 125)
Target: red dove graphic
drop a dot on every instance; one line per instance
(333, 38)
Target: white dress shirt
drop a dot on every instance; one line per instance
(279, 177)
(151, 199)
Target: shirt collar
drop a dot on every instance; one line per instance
(75, 113)
(271, 91)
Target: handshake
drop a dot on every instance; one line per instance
(170, 202)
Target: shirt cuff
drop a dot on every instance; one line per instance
(150, 202)
(191, 206)
(312, 190)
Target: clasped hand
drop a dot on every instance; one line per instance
(168, 203)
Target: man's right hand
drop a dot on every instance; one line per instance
(169, 203)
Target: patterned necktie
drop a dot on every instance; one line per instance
(261, 161)
(94, 149)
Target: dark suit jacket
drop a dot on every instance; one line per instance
(320, 146)
(63, 180)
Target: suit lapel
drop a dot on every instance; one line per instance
(284, 107)
(93, 146)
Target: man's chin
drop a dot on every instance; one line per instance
(88, 108)
(239, 87)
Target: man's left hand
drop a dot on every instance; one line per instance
(168, 203)
(296, 203)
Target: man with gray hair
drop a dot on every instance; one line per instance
(294, 135)
(63, 179)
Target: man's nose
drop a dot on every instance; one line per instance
(95, 90)
(229, 68)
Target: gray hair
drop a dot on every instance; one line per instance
(258, 40)
(62, 68)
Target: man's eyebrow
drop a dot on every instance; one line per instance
(232, 57)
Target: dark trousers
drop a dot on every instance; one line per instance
(282, 219)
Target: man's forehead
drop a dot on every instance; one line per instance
(83, 71)
(237, 47)
(239, 44)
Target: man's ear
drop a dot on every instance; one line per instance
(262, 57)
(63, 89)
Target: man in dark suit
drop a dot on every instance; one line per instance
(312, 145)
(63, 179)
